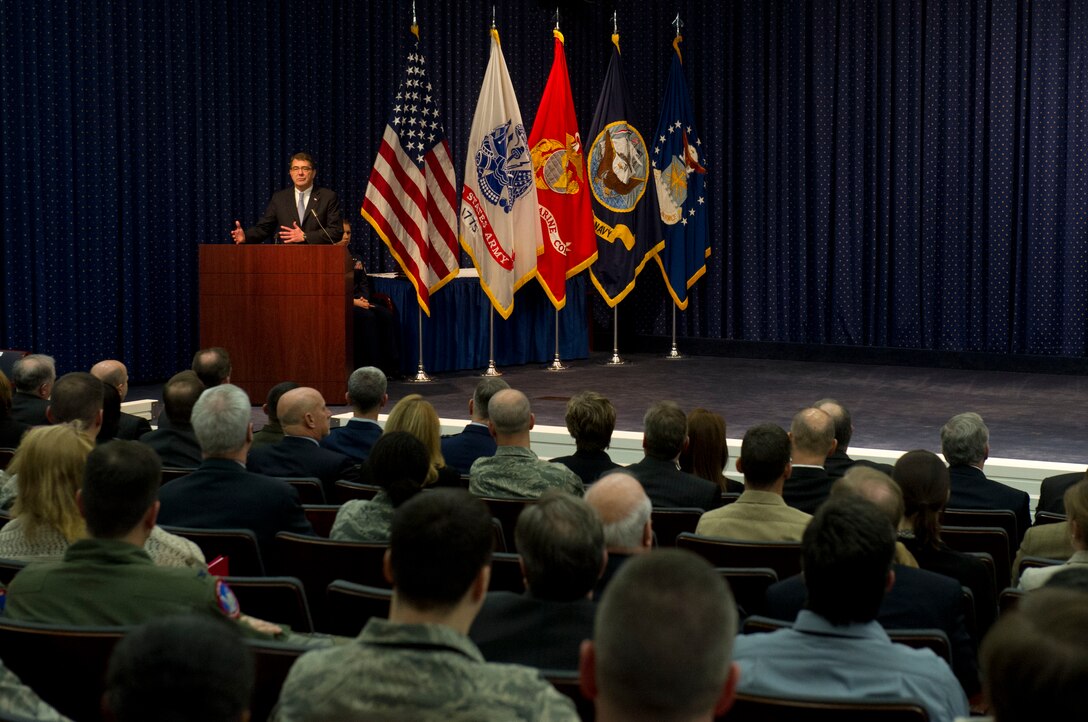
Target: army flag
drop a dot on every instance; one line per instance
(681, 187)
(411, 200)
(625, 214)
(559, 169)
(500, 224)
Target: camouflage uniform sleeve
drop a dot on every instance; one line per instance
(19, 700)
(555, 706)
(574, 483)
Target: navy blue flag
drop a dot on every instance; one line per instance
(681, 187)
(625, 212)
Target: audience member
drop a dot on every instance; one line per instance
(812, 439)
(1076, 508)
(461, 450)
(111, 415)
(11, 431)
(1053, 489)
(23, 703)
(662, 642)
(591, 419)
(561, 544)
(114, 373)
(272, 432)
(1048, 541)
(376, 327)
(175, 442)
(33, 377)
(367, 396)
(212, 366)
(439, 564)
(220, 493)
(707, 452)
(838, 461)
(836, 649)
(415, 415)
(1074, 577)
(305, 419)
(965, 443)
(515, 471)
(760, 514)
(182, 669)
(399, 464)
(624, 509)
(664, 436)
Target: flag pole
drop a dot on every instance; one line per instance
(615, 360)
(491, 370)
(421, 376)
(674, 355)
(557, 364)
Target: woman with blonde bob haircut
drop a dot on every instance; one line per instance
(415, 415)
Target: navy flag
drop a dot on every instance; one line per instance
(681, 187)
(625, 212)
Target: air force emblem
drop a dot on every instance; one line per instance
(504, 166)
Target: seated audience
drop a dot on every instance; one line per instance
(11, 431)
(114, 373)
(624, 509)
(420, 664)
(591, 419)
(664, 437)
(760, 514)
(662, 642)
(367, 396)
(111, 415)
(515, 471)
(33, 377)
(561, 543)
(1053, 489)
(212, 366)
(175, 442)
(415, 415)
(1047, 541)
(812, 439)
(838, 461)
(707, 452)
(836, 649)
(1076, 508)
(399, 464)
(23, 703)
(461, 450)
(272, 432)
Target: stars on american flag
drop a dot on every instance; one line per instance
(415, 114)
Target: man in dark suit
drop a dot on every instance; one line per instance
(965, 442)
(33, 377)
(302, 213)
(591, 419)
(305, 419)
(1052, 492)
(460, 450)
(221, 494)
(664, 436)
(812, 439)
(367, 396)
(113, 373)
(838, 461)
(176, 443)
(561, 543)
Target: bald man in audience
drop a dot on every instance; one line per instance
(114, 373)
(33, 377)
(212, 365)
(305, 419)
(175, 442)
(625, 510)
(812, 439)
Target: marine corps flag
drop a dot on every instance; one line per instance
(681, 187)
(559, 168)
(625, 212)
(500, 224)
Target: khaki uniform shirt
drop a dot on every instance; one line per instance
(755, 516)
(516, 472)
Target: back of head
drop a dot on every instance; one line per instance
(844, 425)
(561, 543)
(5, 396)
(275, 394)
(77, 399)
(846, 553)
(481, 397)
(366, 388)
(591, 419)
(964, 439)
(1033, 661)
(49, 465)
(110, 372)
(33, 370)
(212, 365)
(438, 543)
(764, 453)
(417, 416)
(1076, 509)
(221, 418)
(179, 395)
(663, 637)
(812, 431)
(180, 669)
(510, 413)
(399, 463)
(111, 413)
(707, 452)
(924, 479)
(874, 486)
(622, 504)
(120, 484)
(664, 430)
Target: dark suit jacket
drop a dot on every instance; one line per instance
(223, 495)
(521, 629)
(1053, 490)
(589, 465)
(11, 433)
(460, 450)
(972, 490)
(132, 427)
(29, 409)
(176, 446)
(838, 463)
(965, 569)
(669, 487)
(297, 456)
(282, 211)
(354, 439)
(807, 488)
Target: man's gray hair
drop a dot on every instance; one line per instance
(510, 412)
(32, 371)
(664, 428)
(626, 533)
(482, 396)
(366, 387)
(964, 439)
(221, 418)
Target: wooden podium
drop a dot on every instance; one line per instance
(283, 312)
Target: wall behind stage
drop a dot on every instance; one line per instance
(906, 174)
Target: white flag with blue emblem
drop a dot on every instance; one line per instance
(500, 221)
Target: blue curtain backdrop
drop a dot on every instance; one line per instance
(907, 174)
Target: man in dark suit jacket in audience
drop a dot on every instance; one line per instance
(175, 443)
(33, 377)
(812, 439)
(460, 450)
(838, 461)
(561, 543)
(1052, 491)
(367, 396)
(305, 419)
(113, 373)
(965, 442)
(221, 494)
(664, 436)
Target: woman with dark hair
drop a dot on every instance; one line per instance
(399, 464)
(924, 479)
(707, 452)
(111, 414)
(11, 431)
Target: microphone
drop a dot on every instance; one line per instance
(314, 214)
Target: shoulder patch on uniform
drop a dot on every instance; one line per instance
(228, 603)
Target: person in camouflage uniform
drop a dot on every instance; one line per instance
(419, 664)
(399, 464)
(515, 471)
(19, 700)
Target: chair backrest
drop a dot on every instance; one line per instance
(749, 586)
(671, 522)
(9, 568)
(507, 512)
(1048, 517)
(755, 708)
(506, 573)
(308, 487)
(321, 517)
(1039, 563)
(567, 684)
(348, 490)
(238, 545)
(1000, 518)
(348, 606)
(1009, 598)
(757, 624)
(499, 535)
(271, 663)
(170, 473)
(728, 497)
(275, 599)
(783, 557)
(5, 457)
(991, 540)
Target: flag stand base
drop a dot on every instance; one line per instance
(616, 360)
(421, 377)
(674, 355)
(491, 371)
(556, 365)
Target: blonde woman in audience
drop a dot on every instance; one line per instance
(49, 471)
(415, 415)
(1076, 510)
(707, 452)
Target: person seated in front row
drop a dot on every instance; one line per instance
(591, 419)
(1076, 509)
(272, 432)
(367, 395)
(707, 452)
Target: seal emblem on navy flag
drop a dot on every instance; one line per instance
(618, 167)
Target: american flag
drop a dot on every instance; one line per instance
(411, 199)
